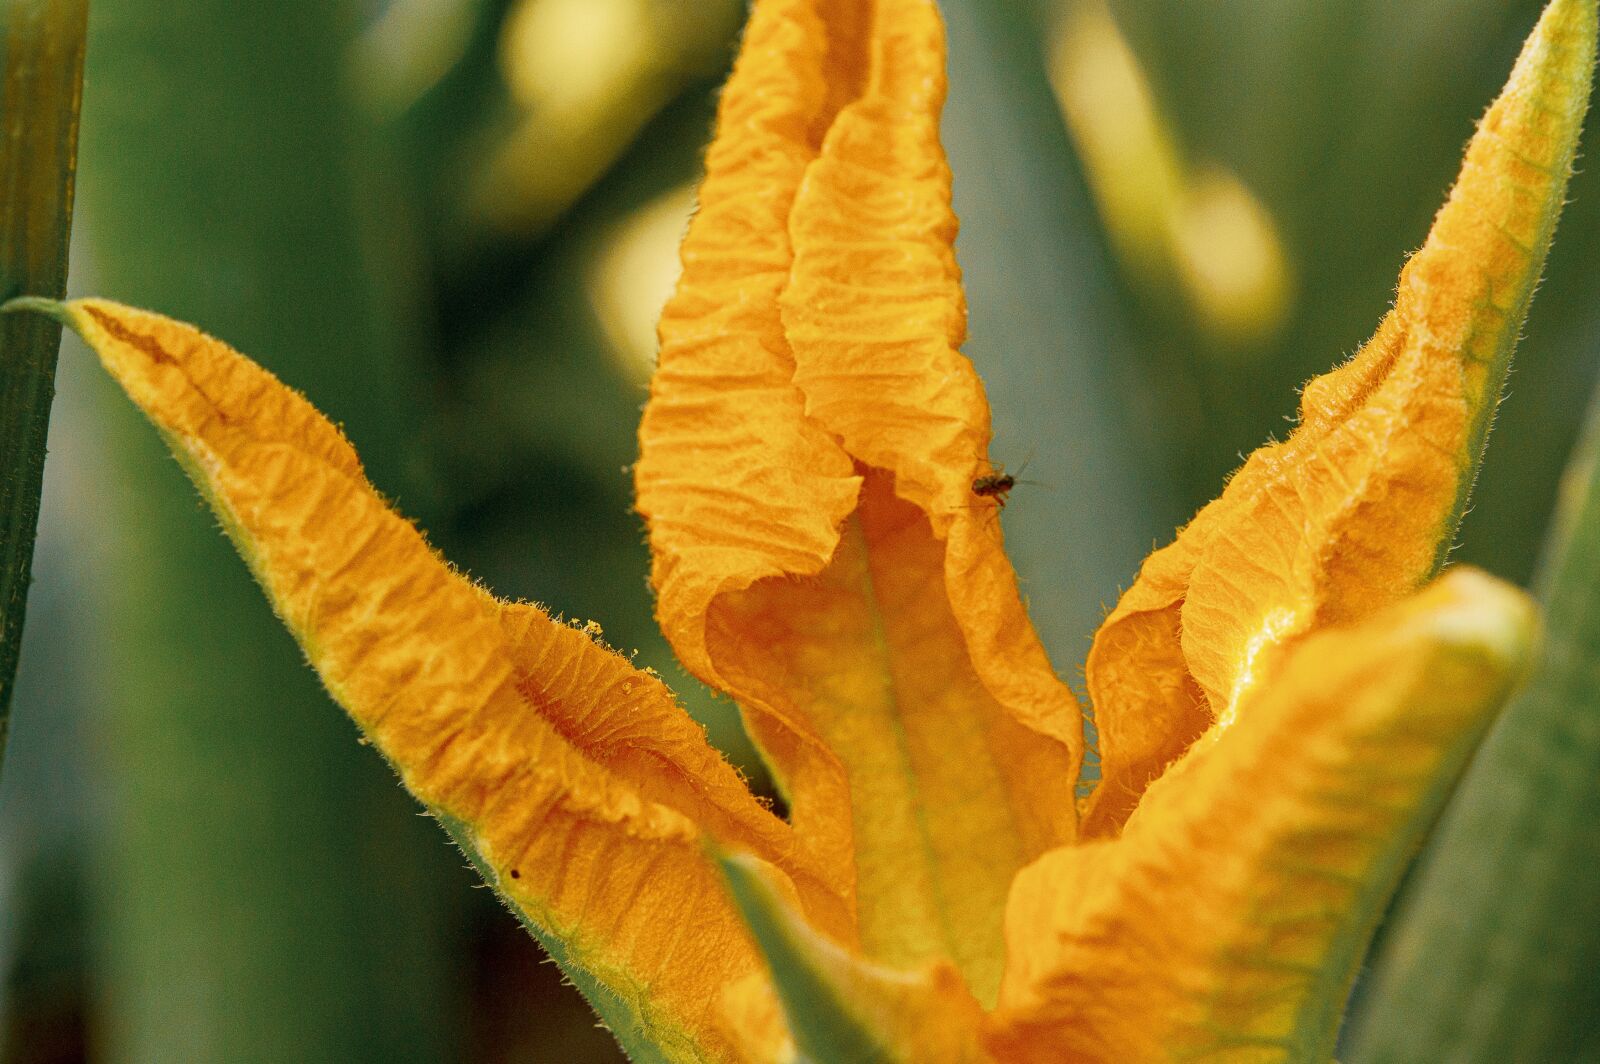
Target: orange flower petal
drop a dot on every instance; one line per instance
(736, 485)
(869, 653)
(586, 791)
(1228, 919)
(807, 462)
(874, 314)
(1353, 510)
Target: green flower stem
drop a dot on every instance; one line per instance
(39, 96)
(1494, 952)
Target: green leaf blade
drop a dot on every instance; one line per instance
(262, 890)
(40, 94)
(1494, 953)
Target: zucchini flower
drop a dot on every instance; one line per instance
(1283, 698)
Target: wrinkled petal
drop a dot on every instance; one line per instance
(807, 463)
(585, 789)
(823, 1004)
(1354, 510)
(736, 485)
(874, 313)
(1228, 919)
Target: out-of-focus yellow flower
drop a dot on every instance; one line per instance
(1198, 229)
(408, 49)
(587, 75)
(1280, 708)
(633, 274)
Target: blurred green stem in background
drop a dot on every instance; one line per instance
(1047, 334)
(264, 891)
(1494, 951)
(39, 97)
(586, 76)
(1187, 231)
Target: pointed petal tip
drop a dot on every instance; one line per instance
(1360, 505)
(1562, 44)
(1578, 14)
(1469, 289)
(51, 308)
(1559, 57)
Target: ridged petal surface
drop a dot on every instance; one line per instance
(736, 485)
(807, 466)
(1355, 508)
(1228, 919)
(586, 790)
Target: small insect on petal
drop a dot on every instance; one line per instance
(996, 486)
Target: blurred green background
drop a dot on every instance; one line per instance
(451, 223)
